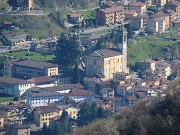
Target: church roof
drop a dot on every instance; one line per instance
(105, 53)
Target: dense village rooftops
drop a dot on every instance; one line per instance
(10, 80)
(42, 79)
(132, 98)
(17, 126)
(47, 109)
(45, 94)
(160, 14)
(74, 15)
(80, 93)
(34, 64)
(105, 53)
(137, 4)
(112, 9)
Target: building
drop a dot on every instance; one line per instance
(121, 76)
(105, 62)
(159, 3)
(146, 65)
(43, 114)
(27, 69)
(43, 99)
(45, 81)
(107, 93)
(74, 18)
(17, 129)
(1, 122)
(82, 95)
(140, 22)
(129, 14)
(173, 8)
(110, 15)
(139, 7)
(162, 15)
(14, 86)
(156, 25)
(25, 3)
(14, 114)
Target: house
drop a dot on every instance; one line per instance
(14, 114)
(27, 69)
(110, 15)
(17, 129)
(147, 64)
(14, 86)
(105, 62)
(173, 8)
(107, 93)
(118, 102)
(45, 81)
(139, 7)
(123, 88)
(121, 76)
(82, 95)
(132, 99)
(43, 99)
(159, 3)
(129, 14)
(43, 114)
(1, 122)
(90, 83)
(140, 22)
(74, 18)
(162, 15)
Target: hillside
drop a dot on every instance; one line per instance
(158, 117)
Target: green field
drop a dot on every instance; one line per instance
(88, 14)
(6, 98)
(36, 56)
(141, 51)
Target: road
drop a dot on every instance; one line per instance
(25, 12)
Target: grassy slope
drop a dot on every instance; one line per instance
(89, 14)
(36, 56)
(6, 98)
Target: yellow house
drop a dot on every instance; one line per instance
(44, 114)
(105, 62)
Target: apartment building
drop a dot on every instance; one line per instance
(43, 114)
(14, 86)
(129, 14)
(43, 99)
(164, 16)
(27, 69)
(110, 15)
(139, 7)
(173, 8)
(156, 25)
(17, 129)
(140, 22)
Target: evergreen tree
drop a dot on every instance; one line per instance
(94, 111)
(64, 117)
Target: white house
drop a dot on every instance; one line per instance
(43, 99)
(14, 86)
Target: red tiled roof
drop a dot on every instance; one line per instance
(74, 15)
(129, 12)
(134, 98)
(138, 4)
(10, 80)
(80, 93)
(42, 79)
(47, 109)
(112, 9)
(44, 94)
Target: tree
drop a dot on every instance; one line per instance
(45, 130)
(64, 117)
(129, 30)
(17, 98)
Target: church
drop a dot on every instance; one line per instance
(105, 62)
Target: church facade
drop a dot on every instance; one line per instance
(105, 62)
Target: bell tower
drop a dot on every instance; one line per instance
(122, 47)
